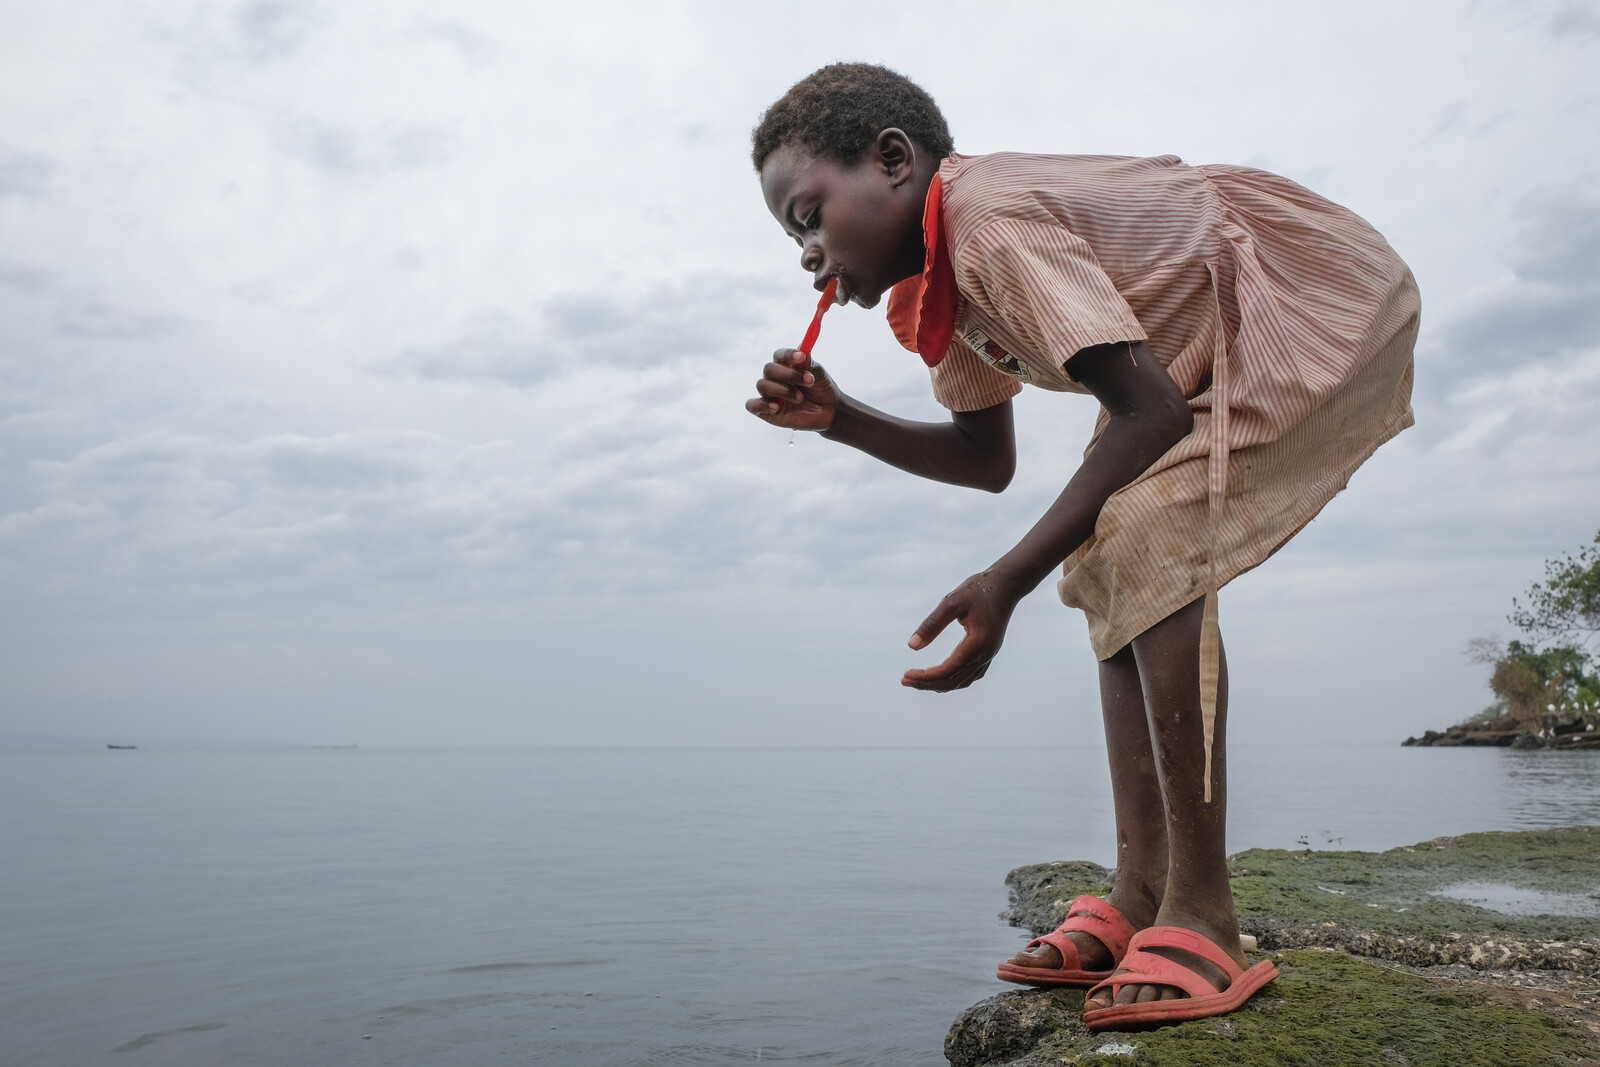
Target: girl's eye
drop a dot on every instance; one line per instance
(815, 221)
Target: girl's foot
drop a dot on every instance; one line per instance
(1093, 955)
(1221, 930)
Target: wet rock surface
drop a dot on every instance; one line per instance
(1382, 961)
(1011, 1025)
(1041, 892)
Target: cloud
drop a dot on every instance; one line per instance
(698, 318)
(22, 277)
(1575, 20)
(280, 517)
(473, 47)
(24, 174)
(348, 152)
(379, 516)
(218, 49)
(491, 347)
(553, 416)
(266, 30)
(109, 322)
(79, 311)
(1559, 240)
(189, 523)
(1549, 307)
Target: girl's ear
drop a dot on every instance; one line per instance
(897, 155)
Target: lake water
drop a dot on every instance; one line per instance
(617, 907)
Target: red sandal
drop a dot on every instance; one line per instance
(1143, 967)
(1087, 915)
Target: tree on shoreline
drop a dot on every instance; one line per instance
(1567, 603)
(1539, 683)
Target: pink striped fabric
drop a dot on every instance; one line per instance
(1311, 313)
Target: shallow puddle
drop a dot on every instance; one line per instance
(1517, 900)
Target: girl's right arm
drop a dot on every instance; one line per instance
(975, 448)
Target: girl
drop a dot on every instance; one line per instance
(1250, 346)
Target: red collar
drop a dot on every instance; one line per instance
(922, 309)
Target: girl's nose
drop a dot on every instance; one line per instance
(810, 258)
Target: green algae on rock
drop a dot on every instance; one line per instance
(1326, 1008)
(1041, 892)
(1424, 906)
(1395, 905)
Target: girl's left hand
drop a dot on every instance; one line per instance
(982, 605)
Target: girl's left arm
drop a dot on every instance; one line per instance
(1148, 415)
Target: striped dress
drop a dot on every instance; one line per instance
(1286, 321)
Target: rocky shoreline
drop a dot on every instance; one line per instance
(1481, 949)
(1570, 736)
(1462, 737)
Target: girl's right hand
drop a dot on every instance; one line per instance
(795, 393)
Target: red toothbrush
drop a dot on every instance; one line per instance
(816, 326)
(816, 320)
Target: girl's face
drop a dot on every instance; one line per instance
(861, 222)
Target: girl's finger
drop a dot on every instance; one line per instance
(777, 372)
(779, 391)
(934, 625)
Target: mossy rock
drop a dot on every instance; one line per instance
(1389, 905)
(1325, 1009)
(1041, 892)
(1326, 917)
(1397, 891)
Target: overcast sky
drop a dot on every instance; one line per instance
(374, 372)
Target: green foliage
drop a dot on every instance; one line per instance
(1530, 681)
(1567, 603)
(1527, 681)
(1551, 669)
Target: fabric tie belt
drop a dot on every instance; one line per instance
(1217, 493)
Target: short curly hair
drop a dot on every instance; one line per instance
(839, 111)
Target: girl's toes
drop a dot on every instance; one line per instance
(1045, 956)
(1133, 994)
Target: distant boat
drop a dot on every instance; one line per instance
(122, 746)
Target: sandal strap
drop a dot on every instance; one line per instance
(1143, 967)
(1096, 916)
(1093, 916)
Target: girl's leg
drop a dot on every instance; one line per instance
(1141, 820)
(1197, 895)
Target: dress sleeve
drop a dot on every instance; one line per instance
(962, 381)
(1044, 282)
